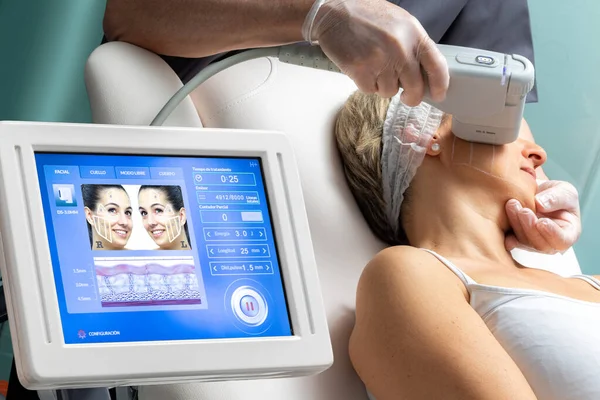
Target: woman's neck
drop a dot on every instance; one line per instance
(460, 223)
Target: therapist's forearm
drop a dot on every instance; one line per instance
(198, 28)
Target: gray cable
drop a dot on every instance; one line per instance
(206, 73)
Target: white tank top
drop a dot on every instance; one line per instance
(553, 339)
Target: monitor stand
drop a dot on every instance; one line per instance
(123, 393)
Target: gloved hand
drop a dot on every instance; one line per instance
(380, 46)
(557, 225)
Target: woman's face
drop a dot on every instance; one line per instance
(163, 223)
(111, 219)
(510, 169)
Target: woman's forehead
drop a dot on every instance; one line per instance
(152, 195)
(114, 193)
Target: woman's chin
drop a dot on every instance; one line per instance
(527, 199)
(120, 244)
(162, 242)
(524, 192)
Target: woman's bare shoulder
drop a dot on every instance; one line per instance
(399, 259)
(416, 335)
(406, 265)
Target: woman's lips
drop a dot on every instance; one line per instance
(530, 171)
(120, 232)
(157, 232)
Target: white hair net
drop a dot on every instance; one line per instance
(407, 132)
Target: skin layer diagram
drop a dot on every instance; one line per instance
(147, 283)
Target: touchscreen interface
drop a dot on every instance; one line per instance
(148, 248)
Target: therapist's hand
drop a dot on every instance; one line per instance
(555, 226)
(381, 47)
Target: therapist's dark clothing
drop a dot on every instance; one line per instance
(496, 25)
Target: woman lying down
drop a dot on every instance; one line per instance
(446, 313)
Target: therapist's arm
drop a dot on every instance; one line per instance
(201, 28)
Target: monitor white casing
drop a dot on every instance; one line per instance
(44, 361)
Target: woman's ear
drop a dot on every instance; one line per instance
(182, 216)
(435, 147)
(88, 216)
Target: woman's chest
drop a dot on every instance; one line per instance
(534, 279)
(554, 341)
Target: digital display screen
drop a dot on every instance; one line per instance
(149, 248)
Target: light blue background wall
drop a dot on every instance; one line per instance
(566, 121)
(44, 45)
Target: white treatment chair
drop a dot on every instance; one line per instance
(128, 85)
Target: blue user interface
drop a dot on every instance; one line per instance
(149, 248)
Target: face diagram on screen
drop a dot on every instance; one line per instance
(108, 213)
(135, 217)
(164, 217)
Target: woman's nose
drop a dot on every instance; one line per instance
(123, 220)
(535, 153)
(150, 219)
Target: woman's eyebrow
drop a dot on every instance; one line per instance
(112, 204)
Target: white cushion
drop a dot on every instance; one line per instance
(127, 85)
(267, 94)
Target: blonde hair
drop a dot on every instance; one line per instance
(358, 132)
